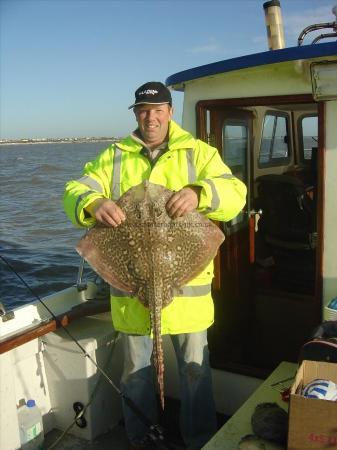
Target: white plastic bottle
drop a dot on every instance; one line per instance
(31, 426)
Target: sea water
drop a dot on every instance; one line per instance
(36, 236)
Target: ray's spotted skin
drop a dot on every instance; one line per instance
(151, 255)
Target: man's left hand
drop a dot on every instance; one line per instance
(183, 201)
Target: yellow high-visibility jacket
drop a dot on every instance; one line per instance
(188, 161)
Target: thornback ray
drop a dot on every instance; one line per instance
(150, 255)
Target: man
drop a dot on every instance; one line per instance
(162, 152)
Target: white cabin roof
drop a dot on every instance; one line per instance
(326, 49)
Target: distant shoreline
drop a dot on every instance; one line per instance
(57, 141)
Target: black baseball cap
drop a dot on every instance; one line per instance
(151, 93)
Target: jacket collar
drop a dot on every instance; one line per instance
(178, 138)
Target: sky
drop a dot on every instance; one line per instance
(69, 68)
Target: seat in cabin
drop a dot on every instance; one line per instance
(288, 215)
(287, 232)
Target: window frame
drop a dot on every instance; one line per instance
(302, 160)
(238, 222)
(241, 123)
(275, 162)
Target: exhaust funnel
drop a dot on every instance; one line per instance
(274, 24)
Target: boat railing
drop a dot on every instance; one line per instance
(320, 26)
(5, 315)
(80, 285)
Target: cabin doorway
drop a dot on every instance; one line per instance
(267, 284)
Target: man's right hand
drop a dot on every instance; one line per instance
(106, 211)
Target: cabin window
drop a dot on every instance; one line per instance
(234, 148)
(308, 132)
(274, 149)
(234, 154)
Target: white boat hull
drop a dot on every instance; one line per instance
(53, 371)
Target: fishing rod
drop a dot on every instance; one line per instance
(156, 431)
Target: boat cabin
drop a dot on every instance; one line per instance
(272, 117)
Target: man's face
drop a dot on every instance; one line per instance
(153, 122)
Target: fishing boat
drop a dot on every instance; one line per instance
(272, 116)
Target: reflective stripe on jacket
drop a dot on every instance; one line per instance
(187, 161)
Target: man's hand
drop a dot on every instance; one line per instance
(106, 211)
(183, 201)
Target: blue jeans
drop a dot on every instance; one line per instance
(197, 413)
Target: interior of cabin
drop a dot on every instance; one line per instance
(267, 285)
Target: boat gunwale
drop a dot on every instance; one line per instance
(89, 308)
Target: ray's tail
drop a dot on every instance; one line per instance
(158, 354)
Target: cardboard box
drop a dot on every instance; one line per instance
(312, 422)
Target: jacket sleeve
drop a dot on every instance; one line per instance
(95, 183)
(223, 195)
